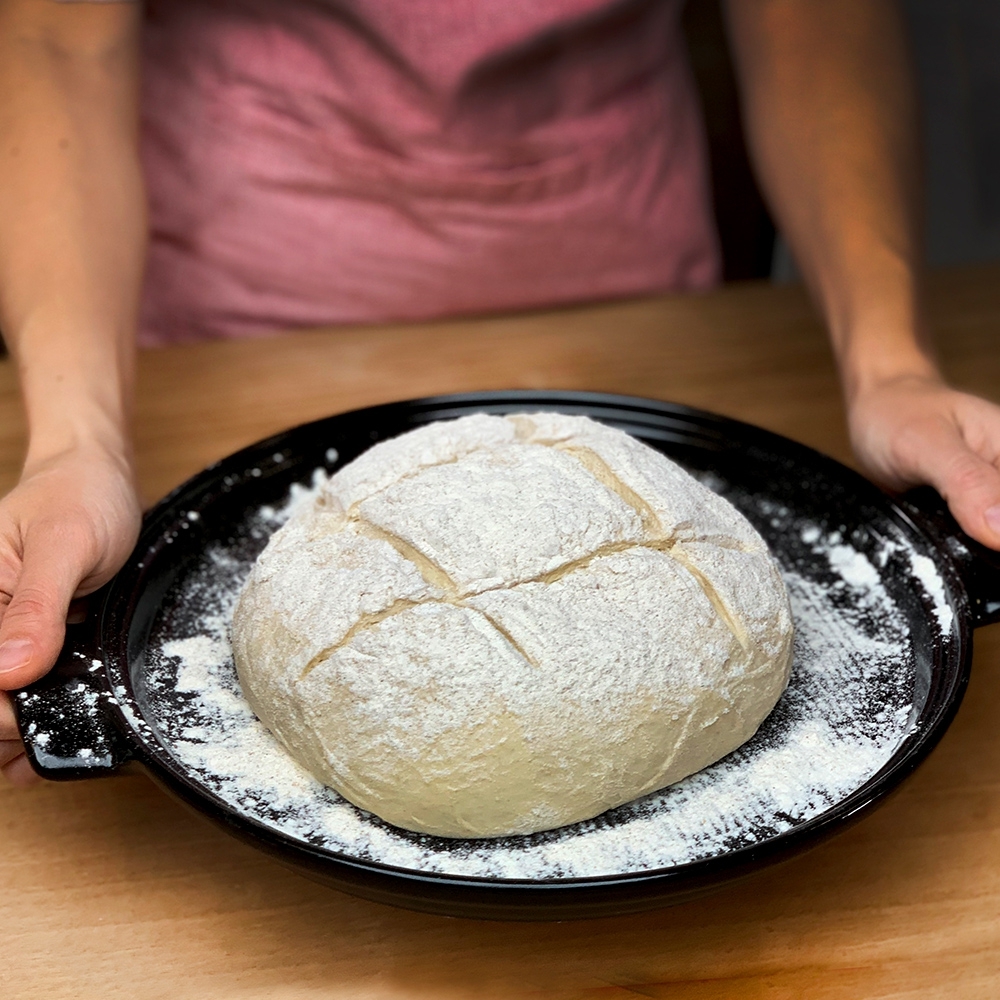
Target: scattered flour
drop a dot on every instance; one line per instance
(846, 710)
(927, 573)
(853, 566)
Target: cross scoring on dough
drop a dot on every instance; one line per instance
(437, 576)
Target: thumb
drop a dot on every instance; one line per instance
(969, 483)
(34, 624)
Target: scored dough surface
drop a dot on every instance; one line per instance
(499, 625)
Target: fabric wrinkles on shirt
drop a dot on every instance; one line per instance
(314, 163)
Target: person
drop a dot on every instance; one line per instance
(324, 161)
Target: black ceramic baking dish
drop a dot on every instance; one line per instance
(91, 707)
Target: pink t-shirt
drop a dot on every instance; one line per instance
(318, 162)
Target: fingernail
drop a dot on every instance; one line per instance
(992, 516)
(14, 653)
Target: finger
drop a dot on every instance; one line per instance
(34, 623)
(9, 750)
(8, 722)
(13, 762)
(20, 774)
(969, 483)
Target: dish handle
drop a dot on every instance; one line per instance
(979, 566)
(65, 718)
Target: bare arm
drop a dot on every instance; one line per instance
(831, 117)
(72, 236)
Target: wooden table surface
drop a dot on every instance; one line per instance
(110, 889)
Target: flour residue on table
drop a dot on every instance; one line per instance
(847, 709)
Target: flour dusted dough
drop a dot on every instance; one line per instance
(498, 625)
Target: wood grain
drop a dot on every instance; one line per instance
(110, 889)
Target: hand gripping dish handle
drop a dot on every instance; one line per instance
(66, 718)
(978, 565)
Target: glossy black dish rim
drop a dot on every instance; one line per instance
(113, 609)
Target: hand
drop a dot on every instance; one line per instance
(915, 429)
(65, 529)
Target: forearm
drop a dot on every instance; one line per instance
(831, 121)
(72, 218)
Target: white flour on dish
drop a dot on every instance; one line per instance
(847, 708)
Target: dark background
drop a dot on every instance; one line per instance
(745, 227)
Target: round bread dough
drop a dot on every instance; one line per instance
(499, 625)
